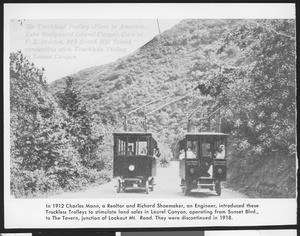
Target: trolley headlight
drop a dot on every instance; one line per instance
(192, 171)
(220, 171)
(131, 167)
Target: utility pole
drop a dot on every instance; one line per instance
(158, 26)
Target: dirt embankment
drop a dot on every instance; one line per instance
(269, 177)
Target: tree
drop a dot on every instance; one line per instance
(82, 133)
(39, 162)
(260, 91)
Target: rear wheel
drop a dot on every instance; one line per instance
(218, 188)
(119, 186)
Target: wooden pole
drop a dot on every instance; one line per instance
(158, 26)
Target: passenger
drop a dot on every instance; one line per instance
(221, 154)
(182, 154)
(190, 154)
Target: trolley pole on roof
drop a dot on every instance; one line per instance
(190, 119)
(161, 107)
(145, 124)
(125, 123)
(209, 118)
(166, 104)
(219, 121)
(149, 103)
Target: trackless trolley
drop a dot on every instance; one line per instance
(202, 161)
(134, 160)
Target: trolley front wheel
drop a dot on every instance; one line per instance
(185, 188)
(147, 187)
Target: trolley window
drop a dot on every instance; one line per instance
(220, 146)
(193, 144)
(121, 144)
(132, 146)
(142, 146)
(207, 149)
(210, 147)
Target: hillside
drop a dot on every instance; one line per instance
(250, 68)
(170, 63)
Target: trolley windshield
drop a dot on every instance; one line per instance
(202, 145)
(133, 144)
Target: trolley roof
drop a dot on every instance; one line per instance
(131, 133)
(203, 134)
(206, 134)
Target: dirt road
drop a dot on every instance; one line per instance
(167, 186)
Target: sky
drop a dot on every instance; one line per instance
(64, 47)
